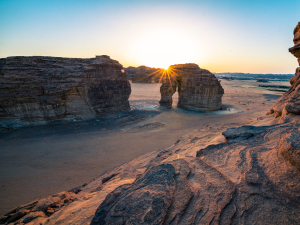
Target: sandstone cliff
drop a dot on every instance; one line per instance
(198, 89)
(288, 104)
(42, 90)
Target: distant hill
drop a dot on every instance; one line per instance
(238, 76)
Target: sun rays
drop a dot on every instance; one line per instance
(167, 76)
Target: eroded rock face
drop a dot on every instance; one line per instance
(40, 90)
(296, 49)
(288, 104)
(198, 89)
(38, 210)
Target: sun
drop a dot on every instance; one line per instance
(160, 49)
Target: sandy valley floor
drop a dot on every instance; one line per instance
(40, 161)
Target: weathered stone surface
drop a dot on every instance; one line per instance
(31, 216)
(167, 89)
(289, 103)
(198, 89)
(242, 181)
(37, 212)
(145, 202)
(41, 90)
(290, 147)
(144, 74)
(296, 49)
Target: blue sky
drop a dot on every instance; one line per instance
(222, 36)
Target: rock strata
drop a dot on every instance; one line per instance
(198, 89)
(288, 104)
(41, 90)
(251, 178)
(39, 210)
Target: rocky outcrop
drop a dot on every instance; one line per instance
(41, 90)
(252, 177)
(39, 210)
(296, 49)
(144, 74)
(198, 89)
(167, 89)
(288, 104)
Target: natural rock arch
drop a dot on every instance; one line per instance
(198, 89)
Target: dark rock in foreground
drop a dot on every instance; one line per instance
(247, 180)
(41, 90)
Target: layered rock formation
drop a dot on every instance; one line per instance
(252, 177)
(167, 89)
(247, 180)
(288, 104)
(296, 49)
(144, 74)
(41, 90)
(198, 89)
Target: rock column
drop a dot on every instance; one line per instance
(167, 89)
(289, 103)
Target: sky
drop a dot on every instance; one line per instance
(219, 35)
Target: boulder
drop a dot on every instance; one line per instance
(40, 90)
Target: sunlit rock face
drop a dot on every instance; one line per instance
(288, 104)
(41, 90)
(198, 89)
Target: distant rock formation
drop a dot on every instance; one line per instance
(289, 104)
(198, 89)
(41, 90)
(144, 74)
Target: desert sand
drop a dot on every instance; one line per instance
(39, 161)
